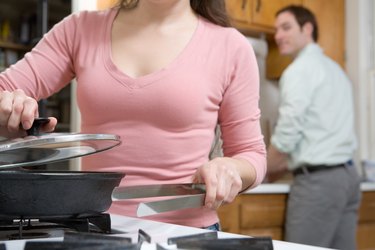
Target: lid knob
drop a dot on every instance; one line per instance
(35, 128)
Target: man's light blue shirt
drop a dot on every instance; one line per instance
(316, 114)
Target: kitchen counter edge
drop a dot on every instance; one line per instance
(283, 188)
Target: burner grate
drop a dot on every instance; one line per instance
(257, 243)
(89, 241)
(28, 235)
(48, 245)
(100, 223)
(28, 228)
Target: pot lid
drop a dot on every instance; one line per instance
(40, 149)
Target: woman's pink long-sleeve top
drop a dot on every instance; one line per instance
(166, 119)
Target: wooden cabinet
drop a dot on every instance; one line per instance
(331, 21)
(258, 16)
(264, 215)
(255, 15)
(263, 11)
(255, 215)
(366, 226)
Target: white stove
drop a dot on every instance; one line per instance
(159, 233)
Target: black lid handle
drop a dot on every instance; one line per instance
(35, 128)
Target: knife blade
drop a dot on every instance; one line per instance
(145, 191)
(156, 207)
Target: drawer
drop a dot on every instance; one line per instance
(367, 208)
(262, 210)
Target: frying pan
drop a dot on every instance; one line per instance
(28, 193)
(41, 194)
(31, 194)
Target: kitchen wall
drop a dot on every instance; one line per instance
(360, 65)
(269, 91)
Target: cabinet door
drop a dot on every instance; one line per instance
(255, 15)
(263, 11)
(238, 10)
(331, 22)
(366, 226)
(229, 216)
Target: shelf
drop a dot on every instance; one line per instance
(14, 46)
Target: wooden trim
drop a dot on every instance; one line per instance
(14, 46)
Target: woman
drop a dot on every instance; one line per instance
(161, 74)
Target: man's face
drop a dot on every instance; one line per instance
(289, 36)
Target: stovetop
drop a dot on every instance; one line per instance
(134, 233)
(200, 241)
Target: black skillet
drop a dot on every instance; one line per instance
(31, 194)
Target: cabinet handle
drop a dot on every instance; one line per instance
(243, 5)
(258, 6)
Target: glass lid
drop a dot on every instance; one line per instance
(51, 147)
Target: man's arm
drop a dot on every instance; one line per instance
(277, 163)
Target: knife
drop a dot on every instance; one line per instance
(158, 190)
(192, 195)
(156, 207)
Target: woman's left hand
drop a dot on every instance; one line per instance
(223, 181)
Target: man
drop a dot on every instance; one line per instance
(314, 138)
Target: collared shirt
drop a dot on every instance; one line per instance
(316, 114)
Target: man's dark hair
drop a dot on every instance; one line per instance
(302, 16)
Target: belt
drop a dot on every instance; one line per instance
(314, 168)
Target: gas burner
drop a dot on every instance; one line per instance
(12, 228)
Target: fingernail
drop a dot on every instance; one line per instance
(209, 205)
(26, 124)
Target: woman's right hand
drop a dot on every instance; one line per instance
(17, 108)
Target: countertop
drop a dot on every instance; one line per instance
(283, 188)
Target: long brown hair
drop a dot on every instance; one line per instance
(212, 10)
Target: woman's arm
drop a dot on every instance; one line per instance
(244, 163)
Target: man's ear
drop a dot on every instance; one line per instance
(307, 29)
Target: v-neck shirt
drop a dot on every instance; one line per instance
(141, 81)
